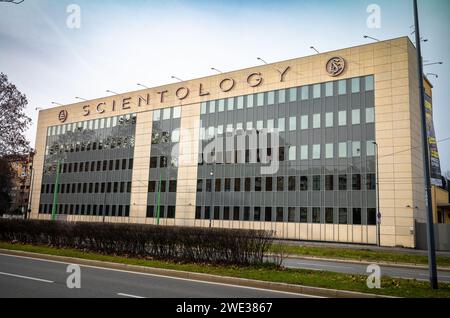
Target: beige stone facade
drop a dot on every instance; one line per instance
(397, 125)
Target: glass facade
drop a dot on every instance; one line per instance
(96, 163)
(327, 160)
(162, 184)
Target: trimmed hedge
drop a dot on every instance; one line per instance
(173, 243)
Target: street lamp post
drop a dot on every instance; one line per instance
(211, 205)
(378, 216)
(426, 166)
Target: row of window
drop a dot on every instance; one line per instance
(291, 183)
(98, 166)
(163, 212)
(306, 121)
(104, 144)
(93, 124)
(290, 214)
(290, 153)
(163, 162)
(162, 186)
(165, 136)
(167, 113)
(93, 187)
(281, 96)
(87, 209)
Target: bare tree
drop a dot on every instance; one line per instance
(14, 121)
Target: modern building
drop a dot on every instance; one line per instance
(194, 153)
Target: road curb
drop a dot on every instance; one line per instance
(412, 266)
(283, 287)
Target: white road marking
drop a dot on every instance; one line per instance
(26, 277)
(129, 295)
(164, 276)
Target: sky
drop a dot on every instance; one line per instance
(121, 43)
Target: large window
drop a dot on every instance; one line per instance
(292, 123)
(305, 92)
(343, 216)
(342, 87)
(356, 117)
(356, 216)
(316, 215)
(316, 152)
(329, 89)
(329, 120)
(329, 151)
(316, 91)
(316, 121)
(329, 215)
(342, 118)
(304, 122)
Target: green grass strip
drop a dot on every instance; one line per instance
(389, 286)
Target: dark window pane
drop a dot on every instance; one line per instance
(218, 186)
(291, 214)
(303, 215)
(269, 184)
(227, 185)
(257, 214)
(280, 183)
(248, 184)
(153, 162)
(199, 185)
(268, 214)
(303, 183)
(329, 180)
(216, 212)
(370, 181)
(356, 216)
(246, 213)
(236, 211)
(237, 185)
(198, 212)
(226, 213)
(280, 214)
(152, 186)
(343, 182)
(163, 163)
(342, 215)
(208, 185)
(171, 212)
(163, 185)
(316, 183)
(316, 215)
(356, 182)
(130, 163)
(258, 184)
(291, 183)
(371, 216)
(328, 215)
(173, 186)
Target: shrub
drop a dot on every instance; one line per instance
(173, 243)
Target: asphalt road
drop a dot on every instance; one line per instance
(351, 268)
(31, 277)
